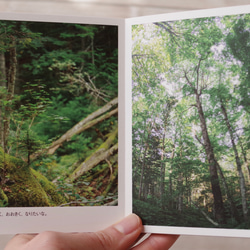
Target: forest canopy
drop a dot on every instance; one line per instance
(58, 114)
(191, 96)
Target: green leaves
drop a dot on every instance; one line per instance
(238, 43)
(205, 72)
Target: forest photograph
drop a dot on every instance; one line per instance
(190, 122)
(58, 114)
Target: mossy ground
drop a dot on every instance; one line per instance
(25, 187)
(3, 198)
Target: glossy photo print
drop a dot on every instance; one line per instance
(190, 123)
(58, 114)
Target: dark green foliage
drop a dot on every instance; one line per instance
(64, 73)
(62, 115)
(152, 214)
(191, 122)
(238, 42)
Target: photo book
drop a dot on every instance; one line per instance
(102, 117)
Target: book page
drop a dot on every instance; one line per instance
(60, 88)
(190, 112)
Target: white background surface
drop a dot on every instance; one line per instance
(131, 8)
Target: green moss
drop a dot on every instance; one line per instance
(25, 190)
(9, 164)
(22, 186)
(3, 198)
(55, 198)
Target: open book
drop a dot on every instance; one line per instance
(165, 96)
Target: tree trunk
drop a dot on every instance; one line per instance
(2, 97)
(170, 185)
(216, 190)
(145, 191)
(238, 163)
(180, 193)
(243, 151)
(163, 164)
(77, 130)
(234, 212)
(11, 78)
(163, 172)
(247, 164)
(101, 154)
(84, 124)
(188, 192)
(2, 70)
(170, 190)
(142, 172)
(206, 216)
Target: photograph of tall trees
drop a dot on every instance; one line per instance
(58, 114)
(191, 116)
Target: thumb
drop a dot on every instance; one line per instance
(119, 236)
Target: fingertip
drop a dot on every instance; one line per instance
(129, 224)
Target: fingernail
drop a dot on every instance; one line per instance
(128, 224)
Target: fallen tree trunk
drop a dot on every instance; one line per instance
(74, 131)
(111, 181)
(84, 124)
(101, 154)
(206, 216)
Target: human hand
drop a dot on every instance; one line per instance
(120, 236)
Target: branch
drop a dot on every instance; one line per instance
(196, 137)
(194, 105)
(188, 81)
(209, 219)
(197, 73)
(101, 154)
(112, 203)
(80, 127)
(167, 27)
(91, 162)
(206, 216)
(54, 147)
(164, 26)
